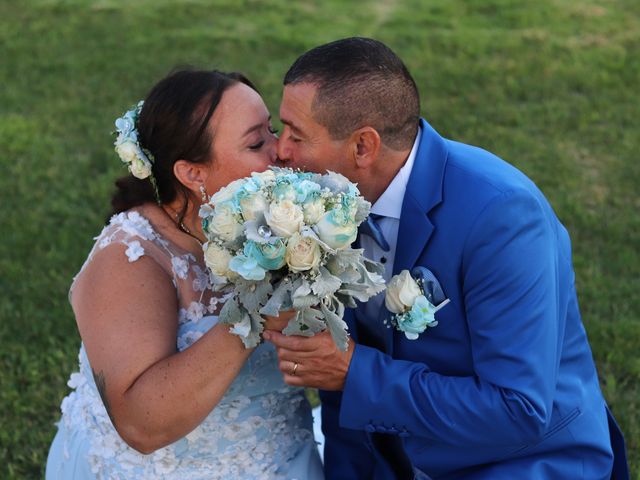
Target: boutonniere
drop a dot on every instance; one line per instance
(411, 300)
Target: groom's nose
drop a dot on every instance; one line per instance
(284, 149)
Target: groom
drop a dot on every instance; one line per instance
(504, 387)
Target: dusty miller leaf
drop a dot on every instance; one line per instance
(325, 283)
(280, 299)
(307, 323)
(336, 325)
(231, 313)
(252, 294)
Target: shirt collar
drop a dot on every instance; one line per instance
(389, 204)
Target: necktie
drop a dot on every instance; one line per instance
(371, 228)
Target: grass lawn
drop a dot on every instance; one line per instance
(551, 86)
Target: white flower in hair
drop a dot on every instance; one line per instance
(127, 146)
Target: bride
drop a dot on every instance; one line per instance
(163, 390)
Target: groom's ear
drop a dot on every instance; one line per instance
(366, 144)
(191, 175)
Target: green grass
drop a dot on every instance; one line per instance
(551, 86)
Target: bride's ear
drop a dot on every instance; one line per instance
(365, 144)
(191, 175)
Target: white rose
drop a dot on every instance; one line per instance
(303, 253)
(217, 259)
(285, 218)
(264, 177)
(402, 291)
(127, 151)
(252, 205)
(313, 211)
(336, 230)
(140, 168)
(227, 193)
(224, 223)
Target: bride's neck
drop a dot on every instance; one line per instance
(185, 219)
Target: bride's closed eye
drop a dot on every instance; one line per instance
(257, 146)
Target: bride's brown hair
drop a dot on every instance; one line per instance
(173, 126)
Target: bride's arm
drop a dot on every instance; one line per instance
(127, 317)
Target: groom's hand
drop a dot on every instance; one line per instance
(319, 362)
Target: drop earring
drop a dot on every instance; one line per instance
(203, 193)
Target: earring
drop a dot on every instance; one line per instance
(203, 193)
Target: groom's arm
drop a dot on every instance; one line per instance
(515, 298)
(515, 306)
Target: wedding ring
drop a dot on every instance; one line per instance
(295, 367)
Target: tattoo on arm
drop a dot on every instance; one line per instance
(101, 384)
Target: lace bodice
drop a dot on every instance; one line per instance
(256, 431)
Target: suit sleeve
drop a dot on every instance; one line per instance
(512, 299)
(346, 456)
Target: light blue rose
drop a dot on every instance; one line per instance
(416, 320)
(247, 268)
(269, 256)
(337, 228)
(284, 191)
(306, 190)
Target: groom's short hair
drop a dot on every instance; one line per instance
(361, 82)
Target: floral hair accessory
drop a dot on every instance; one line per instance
(138, 159)
(410, 302)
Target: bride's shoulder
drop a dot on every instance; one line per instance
(133, 230)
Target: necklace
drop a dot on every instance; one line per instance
(180, 223)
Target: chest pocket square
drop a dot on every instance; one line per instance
(432, 289)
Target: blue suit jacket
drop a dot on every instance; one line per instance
(505, 386)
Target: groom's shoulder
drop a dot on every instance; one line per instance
(475, 171)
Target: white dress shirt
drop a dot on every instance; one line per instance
(389, 207)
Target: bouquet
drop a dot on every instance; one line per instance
(281, 240)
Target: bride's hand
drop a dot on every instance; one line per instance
(280, 322)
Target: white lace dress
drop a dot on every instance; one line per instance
(261, 429)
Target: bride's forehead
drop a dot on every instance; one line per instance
(240, 104)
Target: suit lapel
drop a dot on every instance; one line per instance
(423, 193)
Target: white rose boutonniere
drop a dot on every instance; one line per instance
(411, 305)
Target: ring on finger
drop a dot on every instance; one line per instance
(295, 367)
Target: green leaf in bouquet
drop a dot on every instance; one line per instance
(370, 282)
(325, 283)
(350, 275)
(281, 297)
(257, 327)
(253, 295)
(302, 296)
(307, 323)
(345, 259)
(347, 300)
(336, 325)
(231, 313)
